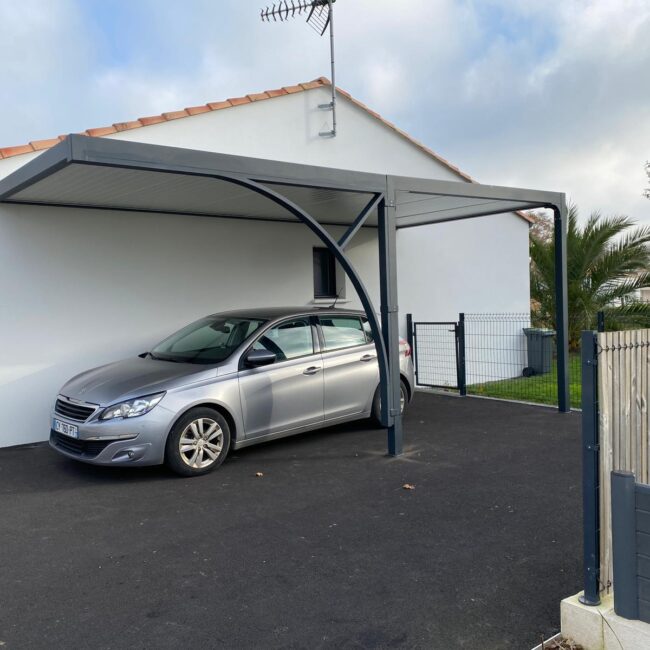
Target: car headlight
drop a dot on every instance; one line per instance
(131, 408)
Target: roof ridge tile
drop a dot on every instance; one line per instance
(100, 131)
(256, 97)
(216, 106)
(238, 101)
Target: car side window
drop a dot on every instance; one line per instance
(288, 340)
(367, 330)
(342, 332)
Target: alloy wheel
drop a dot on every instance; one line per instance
(201, 443)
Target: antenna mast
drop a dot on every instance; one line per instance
(320, 17)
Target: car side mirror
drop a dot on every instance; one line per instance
(257, 358)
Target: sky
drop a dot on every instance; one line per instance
(548, 94)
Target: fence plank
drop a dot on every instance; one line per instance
(626, 424)
(635, 447)
(620, 375)
(634, 403)
(623, 395)
(606, 392)
(643, 398)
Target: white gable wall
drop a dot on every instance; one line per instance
(79, 288)
(286, 128)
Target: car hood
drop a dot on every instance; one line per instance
(133, 378)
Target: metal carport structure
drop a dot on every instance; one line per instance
(102, 173)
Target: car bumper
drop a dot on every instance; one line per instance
(133, 441)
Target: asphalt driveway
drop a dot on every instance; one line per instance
(325, 550)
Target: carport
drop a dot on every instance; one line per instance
(102, 173)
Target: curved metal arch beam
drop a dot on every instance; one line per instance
(332, 244)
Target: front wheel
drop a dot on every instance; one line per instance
(198, 443)
(376, 402)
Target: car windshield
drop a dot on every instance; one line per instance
(209, 340)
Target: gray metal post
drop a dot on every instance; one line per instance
(590, 483)
(460, 355)
(626, 598)
(561, 308)
(390, 398)
(409, 332)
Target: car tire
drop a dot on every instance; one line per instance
(198, 443)
(376, 403)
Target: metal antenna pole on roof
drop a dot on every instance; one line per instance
(320, 16)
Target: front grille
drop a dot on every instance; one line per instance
(73, 411)
(84, 448)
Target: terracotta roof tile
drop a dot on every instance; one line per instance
(126, 126)
(238, 101)
(39, 145)
(174, 115)
(196, 110)
(371, 112)
(217, 106)
(154, 119)
(100, 131)
(7, 152)
(256, 97)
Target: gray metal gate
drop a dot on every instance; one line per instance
(436, 353)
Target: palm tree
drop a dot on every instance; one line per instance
(607, 263)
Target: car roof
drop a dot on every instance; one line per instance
(274, 313)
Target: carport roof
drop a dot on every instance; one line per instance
(87, 172)
(102, 173)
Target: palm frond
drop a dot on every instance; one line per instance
(608, 261)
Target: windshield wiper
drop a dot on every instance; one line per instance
(170, 359)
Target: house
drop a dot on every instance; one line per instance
(77, 292)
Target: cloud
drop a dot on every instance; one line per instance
(552, 95)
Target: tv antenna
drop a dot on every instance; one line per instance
(320, 16)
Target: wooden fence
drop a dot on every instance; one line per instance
(623, 396)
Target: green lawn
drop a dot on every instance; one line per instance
(539, 388)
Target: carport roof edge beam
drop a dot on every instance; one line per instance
(64, 175)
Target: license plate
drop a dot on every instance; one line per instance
(66, 429)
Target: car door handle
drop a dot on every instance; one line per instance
(368, 357)
(312, 370)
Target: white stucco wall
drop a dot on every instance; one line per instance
(79, 288)
(286, 128)
(476, 265)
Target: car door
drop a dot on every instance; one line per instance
(350, 366)
(288, 393)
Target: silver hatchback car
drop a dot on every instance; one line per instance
(226, 381)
